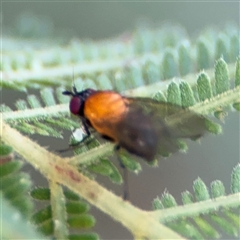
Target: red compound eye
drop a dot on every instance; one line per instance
(75, 105)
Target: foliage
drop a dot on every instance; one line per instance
(160, 63)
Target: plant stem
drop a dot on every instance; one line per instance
(58, 170)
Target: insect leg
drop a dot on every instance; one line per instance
(125, 174)
(84, 139)
(86, 129)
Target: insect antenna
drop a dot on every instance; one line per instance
(74, 91)
(73, 84)
(69, 93)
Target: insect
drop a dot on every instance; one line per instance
(139, 125)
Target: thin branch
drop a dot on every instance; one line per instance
(197, 208)
(58, 207)
(52, 111)
(58, 170)
(81, 68)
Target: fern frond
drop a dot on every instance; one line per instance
(206, 214)
(142, 64)
(60, 171)
(182, 94)
(66, 209)
(170, 58)
(15, 184)
(204, 96)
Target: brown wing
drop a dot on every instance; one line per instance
(182, 123)
(147, 128)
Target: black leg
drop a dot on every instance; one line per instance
(85, 128)
(125, 174)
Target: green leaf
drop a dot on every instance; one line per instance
(106, 168)
(185, 59)
(41, 194)
(235, 179)
(5, 150)
(86, 236)
(187, 197)
(200, 190)
(84, 221)
(157, 204)
(187, 95)
(168, 200)
(217, 189)
(42, 215)
(174, 94)
(169, 65)
(221, 76)
(237, 74)
(203, 54)
(204, 87)
(10, 168)
(77, 207)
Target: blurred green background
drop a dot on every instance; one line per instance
(214, 158)
(103, 19)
